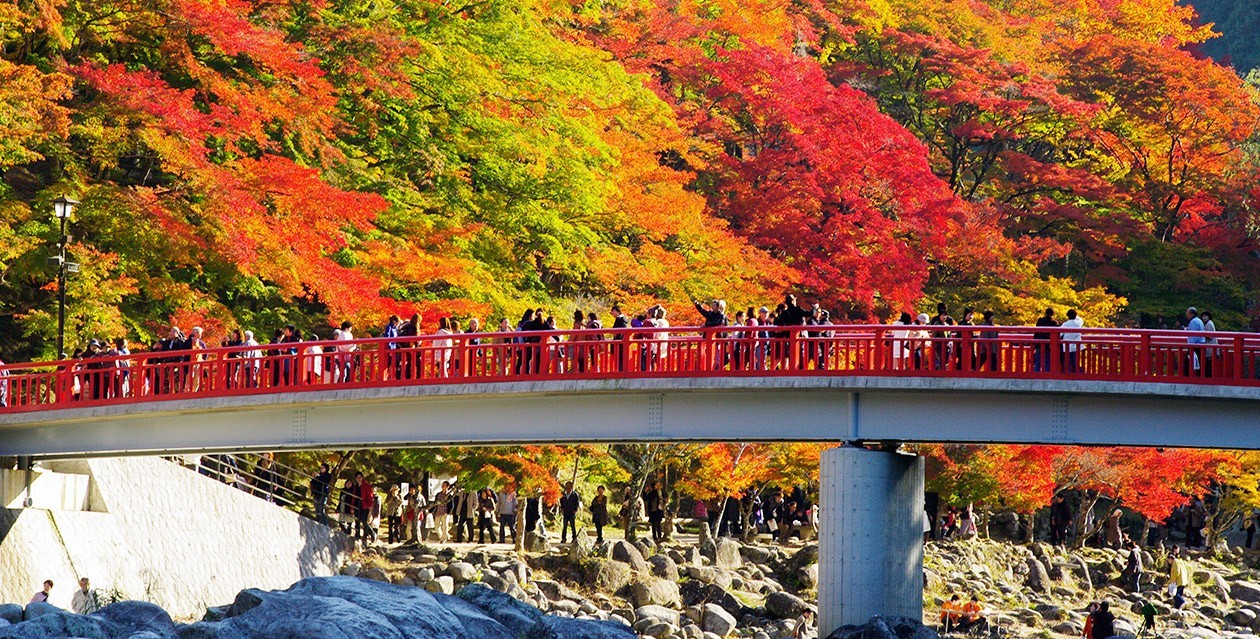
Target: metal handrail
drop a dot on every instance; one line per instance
(1098, 354)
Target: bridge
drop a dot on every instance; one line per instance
(853, 384)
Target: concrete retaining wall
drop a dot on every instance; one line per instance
(164, 534)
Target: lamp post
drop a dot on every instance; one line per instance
(63, 208)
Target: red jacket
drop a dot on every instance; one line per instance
(366, 494)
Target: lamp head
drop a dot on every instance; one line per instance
(63, 207)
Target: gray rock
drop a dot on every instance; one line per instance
(1247, 591)
(664, 567)
(516, 616)
(462, 571)
(626, 553)
(653, 591)
(475, 622)
(535, 542)
(1243, 617)
(138, 616)
(656, 614)
(606, 575)
(1038, 579)
(726, 554)
(785, 605)
(11, 613)
(375, 574)
(717, 621)
(695, 593)
(39, 609)
(351, 569)
(560, 628)
(444, 584)
(885, 628)
(757, 554)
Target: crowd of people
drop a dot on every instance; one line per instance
(177, 363)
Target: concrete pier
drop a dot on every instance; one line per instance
(870, 537)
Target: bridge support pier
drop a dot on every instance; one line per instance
(870, 554)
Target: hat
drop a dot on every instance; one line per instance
(763, 310)
(94, 343)
(923, 317)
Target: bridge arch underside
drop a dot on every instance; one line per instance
(658, 410)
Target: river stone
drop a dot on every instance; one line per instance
(626, 553)
(476, 623)
(1245, 591)
(561, 628)
(606, 575)
(11, 613)
(664, 567)
(757, 555)
(694, 593)
(726, 554)
(139, 616)
(35, 610)
(1038, 579)
(785, 605)
(885, 628)
(443, 584)
(656, 614)
(515, 615)
(651, 591)
(462, 571)
(717, 621)
(535, 542)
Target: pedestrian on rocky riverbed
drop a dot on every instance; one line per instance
(1148, 618)
(42, 596)
(599, 513)
(1178, 577)
(393, 507)
(321, 487)
(1133, 569)
(1104, 623)
(84, 601)
(570, 502)
(507, 514)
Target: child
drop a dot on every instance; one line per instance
(1148, 617)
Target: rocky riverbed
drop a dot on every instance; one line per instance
(1042, 590)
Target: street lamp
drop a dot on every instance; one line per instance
(63, 208)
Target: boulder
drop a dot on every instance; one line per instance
(606, 575)
(785, 605)
(717, 621)
(35, 610)
(653, 591)
(518, 617)
(535, 542)
(59, 624)
(694, 593)
(11, 613)
(1246, 591)
(726, 554)
(475, 622)
(444, 584)
(657, 614)
(658, 630)
(1038, 579)
(664, 567)
(462, 571)
(885, 628)
(626, 553)
(138, 616)
(757, 554)
(561, 628)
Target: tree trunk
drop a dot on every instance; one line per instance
(519, 546)
(1031, 534)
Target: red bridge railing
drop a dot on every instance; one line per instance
(1227, 359)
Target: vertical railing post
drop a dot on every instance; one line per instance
(1056, 354)
(1145, 356)
(1237, 358)
(967, 354)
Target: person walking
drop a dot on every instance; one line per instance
(84, 601)
(413, 514)
(1194, 359)
(507, 514)
(487, 506)
(655, 510)
(1178, 577)
(570, 502)
(599, 513)
(393, 507)
(1134, 566)
(366, 501)
(441, 513)
(1148, 618)
(469, 513)
(321, 488)
(1060, 520)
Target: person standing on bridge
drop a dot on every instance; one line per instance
(1041, 343)
(1194, 359)
(570, 502)
(1072, 343)
(392, 363)
(4, 385)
